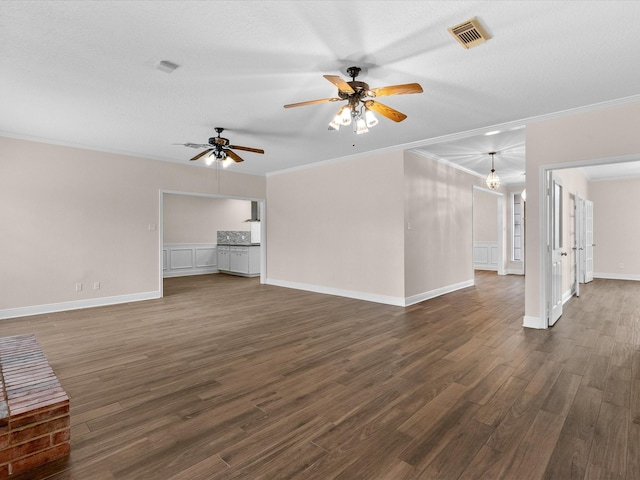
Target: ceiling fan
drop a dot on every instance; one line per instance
(218, 148)
(360, 103)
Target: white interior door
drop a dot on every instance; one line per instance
(555, 248)
(588, 240)
(578, 247)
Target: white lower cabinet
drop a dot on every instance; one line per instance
(223, 257)
(238, 259)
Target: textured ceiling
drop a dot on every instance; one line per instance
(85, 73)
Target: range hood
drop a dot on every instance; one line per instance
(255, 212)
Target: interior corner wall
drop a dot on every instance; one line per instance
(73, 216)
(597, 134)
(438, 226)
(616, 228)
(197, 219)
(338, 228)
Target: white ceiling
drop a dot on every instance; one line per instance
(84, 73)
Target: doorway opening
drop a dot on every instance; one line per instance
(251, 204)
(488, 230)
(578, 264)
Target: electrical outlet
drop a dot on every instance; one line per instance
(96, 285)
(621, 265)
(78, 287)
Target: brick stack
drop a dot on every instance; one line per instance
(34, 409)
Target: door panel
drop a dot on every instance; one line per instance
(588, 248)
(556, 245)
(578, 247)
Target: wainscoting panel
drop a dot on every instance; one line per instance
(181, 259)
(206, 257)
(485, 255)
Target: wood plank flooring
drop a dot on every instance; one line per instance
(225, 378)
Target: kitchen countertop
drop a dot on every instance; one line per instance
(239, 244)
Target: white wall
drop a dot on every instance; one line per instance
(439, 245)
(485, 216)
(338, 228)
(194, 219)
(616, 228)
(393, 227)
(607, 133)
(77, 216)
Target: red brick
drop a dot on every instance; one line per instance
(40, 458)
(4, 409)
(51, 411)
(34, 409)
(45, 428)
(61, 436)
(26, 376)
(34, 397)
(24, 449)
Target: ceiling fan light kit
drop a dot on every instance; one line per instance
(218, 148)
(360, 106)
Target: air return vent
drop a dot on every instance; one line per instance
(470, 33)
(166, 66)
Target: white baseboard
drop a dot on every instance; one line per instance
(617, 276)
(539, 323)
(369, 297)
(188, 273)
(514, 271)
(482, 266)
(437, 292)
(76, 305)
(534, 322)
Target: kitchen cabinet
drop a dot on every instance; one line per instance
(223, 257)
(239, 259)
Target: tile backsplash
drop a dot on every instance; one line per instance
(234, 237)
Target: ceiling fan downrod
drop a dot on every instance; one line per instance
(353, 72)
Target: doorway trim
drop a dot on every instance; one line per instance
(545, 226)
(263, 236)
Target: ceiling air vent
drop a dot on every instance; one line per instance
(167, 66)
(470, 33)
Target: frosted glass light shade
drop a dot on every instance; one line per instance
(493, 181)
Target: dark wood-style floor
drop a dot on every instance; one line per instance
(226, 378)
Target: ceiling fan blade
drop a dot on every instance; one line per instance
(193, 145)
(342, 85)
(247, 149)
(234, 156)
(397, 90)
(388, 112)
(312, 102)
(201, 154)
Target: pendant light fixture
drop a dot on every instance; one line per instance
(493, 181)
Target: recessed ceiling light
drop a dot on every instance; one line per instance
(167, 66)
(493, 132)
